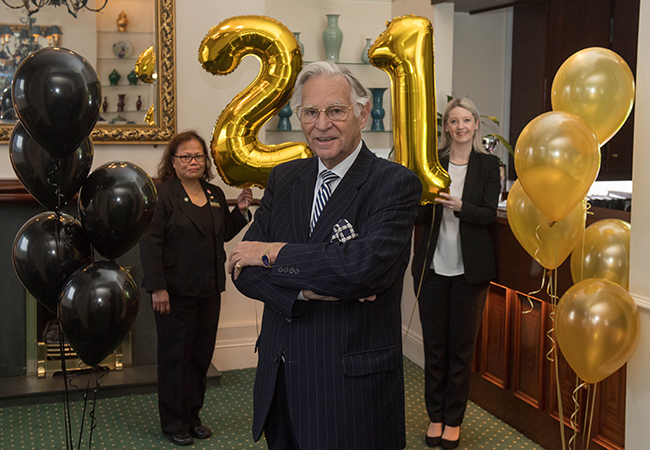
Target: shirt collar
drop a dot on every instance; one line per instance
(342, 168)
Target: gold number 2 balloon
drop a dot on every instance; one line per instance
(240, 157)
(405, 51)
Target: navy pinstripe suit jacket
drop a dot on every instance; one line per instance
(343, 359)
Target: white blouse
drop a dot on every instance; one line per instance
(448, 259)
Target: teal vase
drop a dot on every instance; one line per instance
(332, 38)
(377, 112)
(284, 123)
(364, 53)
(302, 47)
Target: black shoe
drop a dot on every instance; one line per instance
(448, 445)
(179, 439)
(433, 441)
(200, 432)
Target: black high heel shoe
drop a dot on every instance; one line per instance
(433, 441)
(448, 445)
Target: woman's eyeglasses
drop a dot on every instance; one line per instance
(336, 113)
(187, 158)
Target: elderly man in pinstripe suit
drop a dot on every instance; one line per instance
(327, 254)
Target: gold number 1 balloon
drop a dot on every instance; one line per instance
(239, 156)
(405, 51)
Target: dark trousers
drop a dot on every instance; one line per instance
(186, 338)
(278, 429)
(450, 312)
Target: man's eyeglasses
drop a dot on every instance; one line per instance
(336, 113)
(187, 158)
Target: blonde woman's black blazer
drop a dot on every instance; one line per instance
(480, 200)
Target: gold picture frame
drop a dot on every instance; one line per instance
(164, 127)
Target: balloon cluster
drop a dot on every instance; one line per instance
(56, 95)
(557, 158)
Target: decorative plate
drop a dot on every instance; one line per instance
(122, 49)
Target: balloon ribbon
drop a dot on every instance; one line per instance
(424, 268)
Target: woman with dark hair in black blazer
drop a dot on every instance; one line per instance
(183, 262)
(452, 268)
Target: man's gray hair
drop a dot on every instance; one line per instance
(358, 95)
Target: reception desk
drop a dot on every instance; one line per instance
(512, 377)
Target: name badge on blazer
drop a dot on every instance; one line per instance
(213, 202)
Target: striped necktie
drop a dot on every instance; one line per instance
(322, 196)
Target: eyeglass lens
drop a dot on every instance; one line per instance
(188, 158)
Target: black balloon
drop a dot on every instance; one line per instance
(98, 306)
(57, 96)
(46, 251)
(43, 175)
(117, 203)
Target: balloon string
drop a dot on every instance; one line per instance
(66, 399)
(591, 406)
(83, 414)
(93, 418)
(530, 301)
(552, 292)
(424, 269)
(574, 415)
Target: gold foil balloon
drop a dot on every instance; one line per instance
(597, 85)
(549, 243)
(557, 159)
(605, 253)
(240, 157)
(145, 66)
(148, 118)
(405, 51)
(597, 328)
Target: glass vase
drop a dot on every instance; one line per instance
(300, 44)
(377, 112)
(364, 53)
(332, 38)
(284, 123)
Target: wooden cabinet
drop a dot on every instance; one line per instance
(513, 378)
(545, 34)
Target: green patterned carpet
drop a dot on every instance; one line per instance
(131, 422)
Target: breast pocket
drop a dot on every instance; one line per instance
(371, 361)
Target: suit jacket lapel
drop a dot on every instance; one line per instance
(343, 196)
(302, 198)
(471, 175)
(215, 209)
(183, 201)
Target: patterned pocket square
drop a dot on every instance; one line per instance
(343, 232)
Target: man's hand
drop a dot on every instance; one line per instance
(311, 295)
(249, 253)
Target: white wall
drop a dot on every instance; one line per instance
(201, 97)
(482, 64)
(638, 389)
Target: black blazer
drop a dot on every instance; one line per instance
(343, 359)
(173, 250)
(480, 201)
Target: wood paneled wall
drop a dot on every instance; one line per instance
(512, 376)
